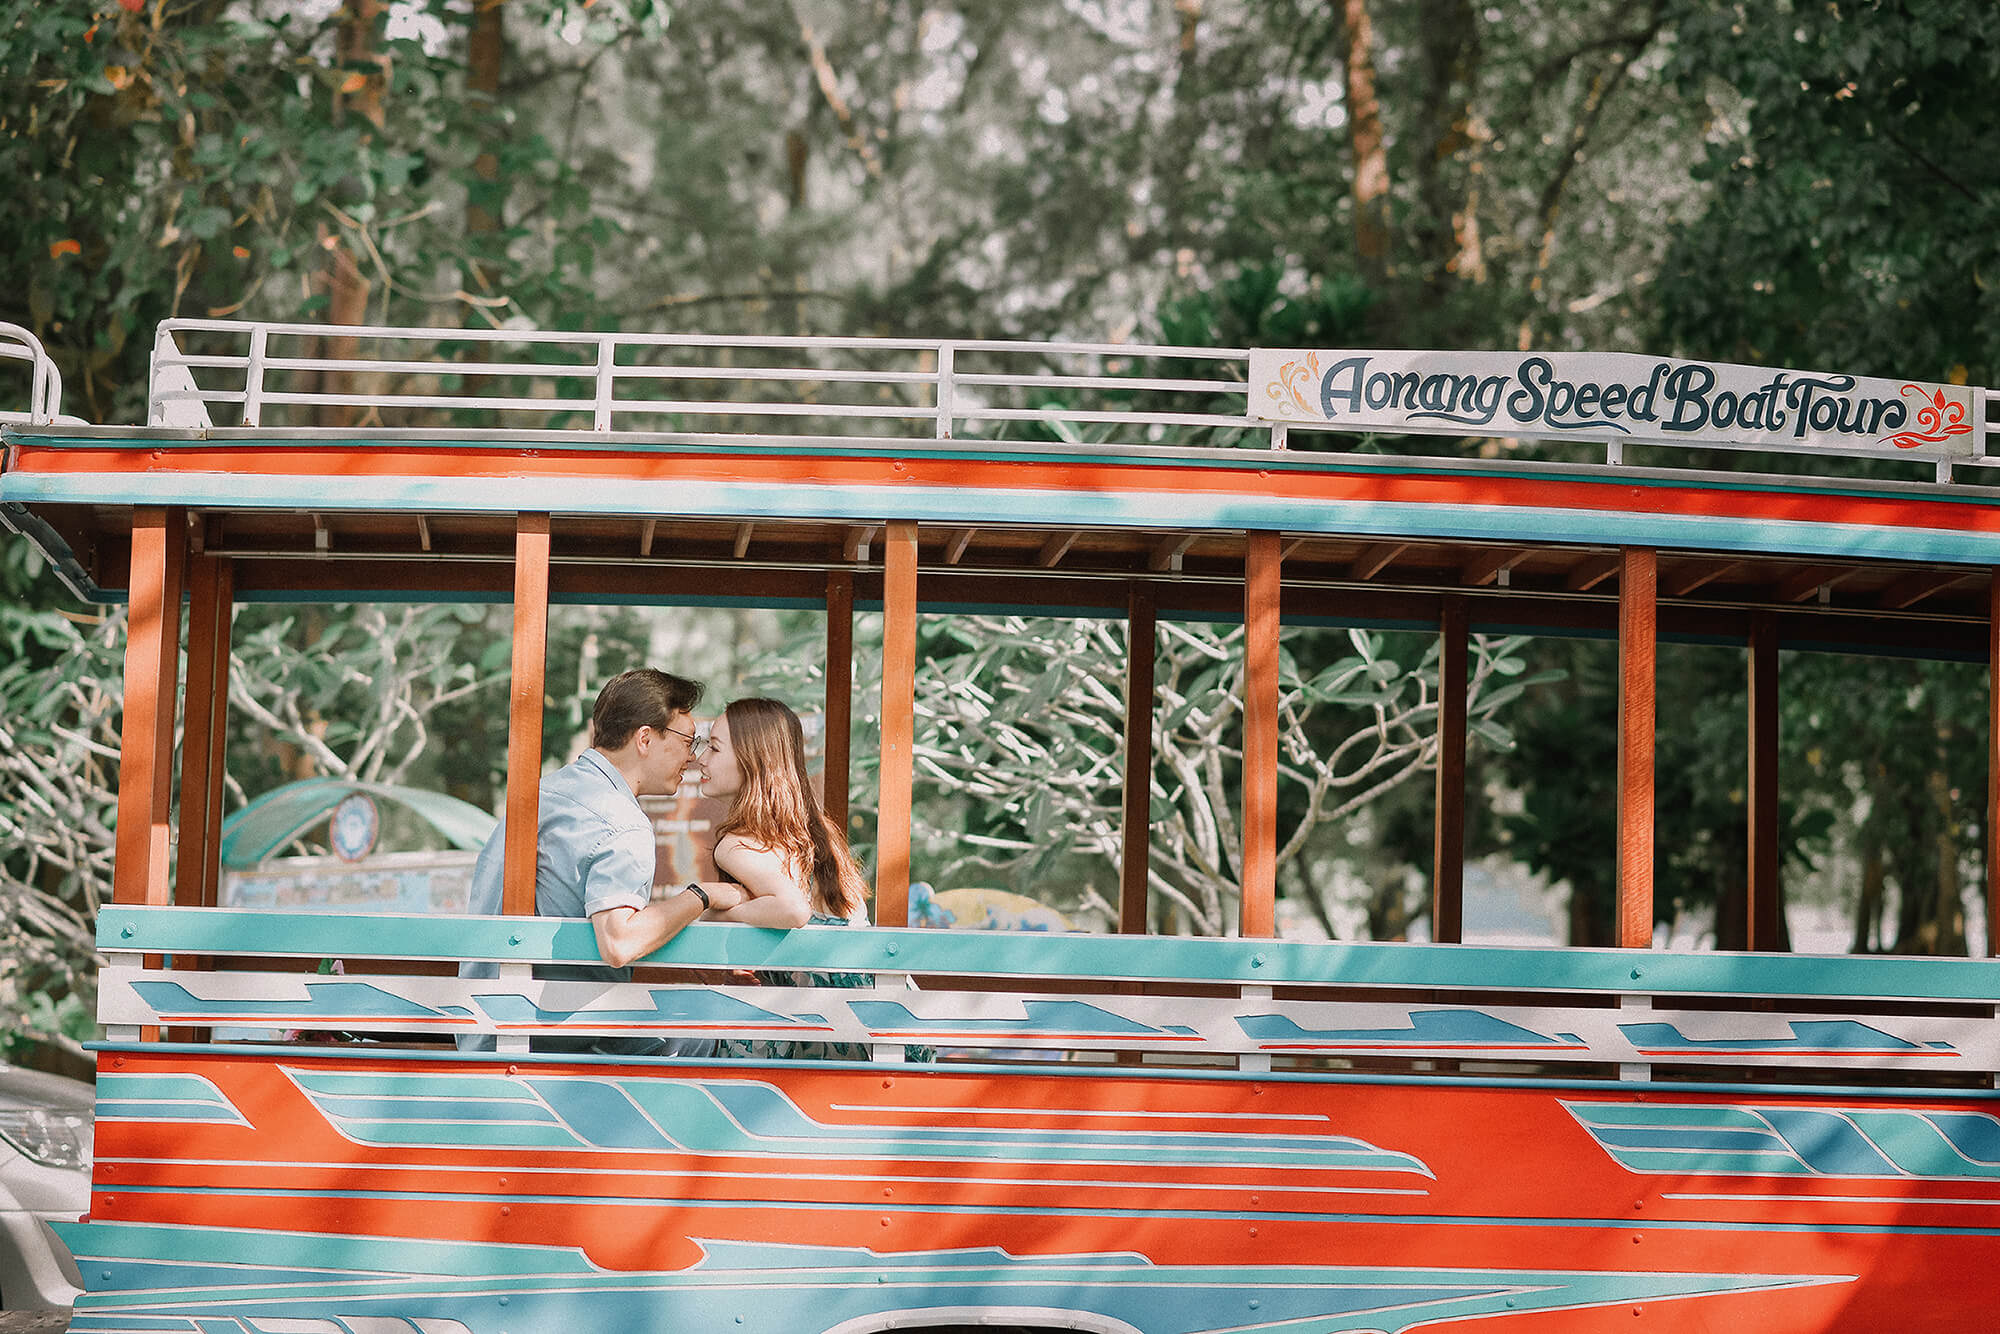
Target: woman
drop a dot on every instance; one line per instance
(777, 843)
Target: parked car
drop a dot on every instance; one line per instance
(45, 1147)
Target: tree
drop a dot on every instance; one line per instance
(1853, 164)
(59, 715)
(1023, 720)
(222, 159)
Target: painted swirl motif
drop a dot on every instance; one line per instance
(1937, 420)
(1292, 377)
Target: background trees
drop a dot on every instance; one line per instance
(1799, 182)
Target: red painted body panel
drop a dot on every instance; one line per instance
(1509, 1179)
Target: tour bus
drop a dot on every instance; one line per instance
(1122, 1132)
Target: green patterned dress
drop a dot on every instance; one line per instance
(780, 1049)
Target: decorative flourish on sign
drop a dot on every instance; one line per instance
(1938, 420)
(1291, 377)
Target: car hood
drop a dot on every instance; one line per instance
(55, 1093)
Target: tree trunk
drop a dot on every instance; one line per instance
(485, 55)
(359, 90)
(1445, 231)
(1371, 159)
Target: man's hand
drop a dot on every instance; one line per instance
(628, 934)
(722, 894)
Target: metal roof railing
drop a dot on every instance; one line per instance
(294, 374)
(235, 374)
(45, 389)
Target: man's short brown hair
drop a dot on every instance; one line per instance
(642, 697)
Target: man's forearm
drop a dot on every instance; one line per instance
(628, 934)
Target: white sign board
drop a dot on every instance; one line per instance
(1610, 396)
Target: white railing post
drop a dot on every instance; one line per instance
(607, 362)
(1980, 402)
(253, 376)
(945, 391)
(163, 346)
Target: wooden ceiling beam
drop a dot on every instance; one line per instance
(1802, 585)
(1914, 587)
(954, 550)
(743, 532)
(1373, 560)
(1591, 571)
(423, 532)
(855, 545)
(646, 531)
(1487, 566)
(1686, 578)
(1056, 548)
(1167, 555)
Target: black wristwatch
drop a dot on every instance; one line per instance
(694, 887)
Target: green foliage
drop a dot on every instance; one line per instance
(1854, 164)
(59, 719)
(1021, 731)
(210, 159)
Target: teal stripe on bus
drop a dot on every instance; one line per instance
(1135, 508)
(161, 930)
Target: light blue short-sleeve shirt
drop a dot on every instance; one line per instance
(594, 850)
(593, 847)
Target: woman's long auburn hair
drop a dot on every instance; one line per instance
(776, 808)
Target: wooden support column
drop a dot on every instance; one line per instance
(899, 709)
(1638, 642)
(146, 743)
(1136, 837)
(1993, 767)
(524, 712)
(834, 774)
(205, 731)
(1761, 875)
(1448, 842)
(1260, 736)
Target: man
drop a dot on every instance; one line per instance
(594, 848)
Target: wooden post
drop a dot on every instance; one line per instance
(1761, 875)
(205, 731)
(146, 743)
(1260, 736)
(524, 712)
(899, 707)
(1448, 841)
(1993, 767)
(1638, 631)
(839, 694)
(1135, 837)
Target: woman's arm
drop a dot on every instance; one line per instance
(773, 895)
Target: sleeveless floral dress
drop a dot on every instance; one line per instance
(772, 1049)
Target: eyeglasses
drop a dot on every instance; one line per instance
(696, 744)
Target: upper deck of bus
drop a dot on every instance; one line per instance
(385, 462)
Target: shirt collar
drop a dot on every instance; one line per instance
(609, 772)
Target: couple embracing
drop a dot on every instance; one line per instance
(783, 863)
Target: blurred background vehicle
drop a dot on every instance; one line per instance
(45, 1148)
